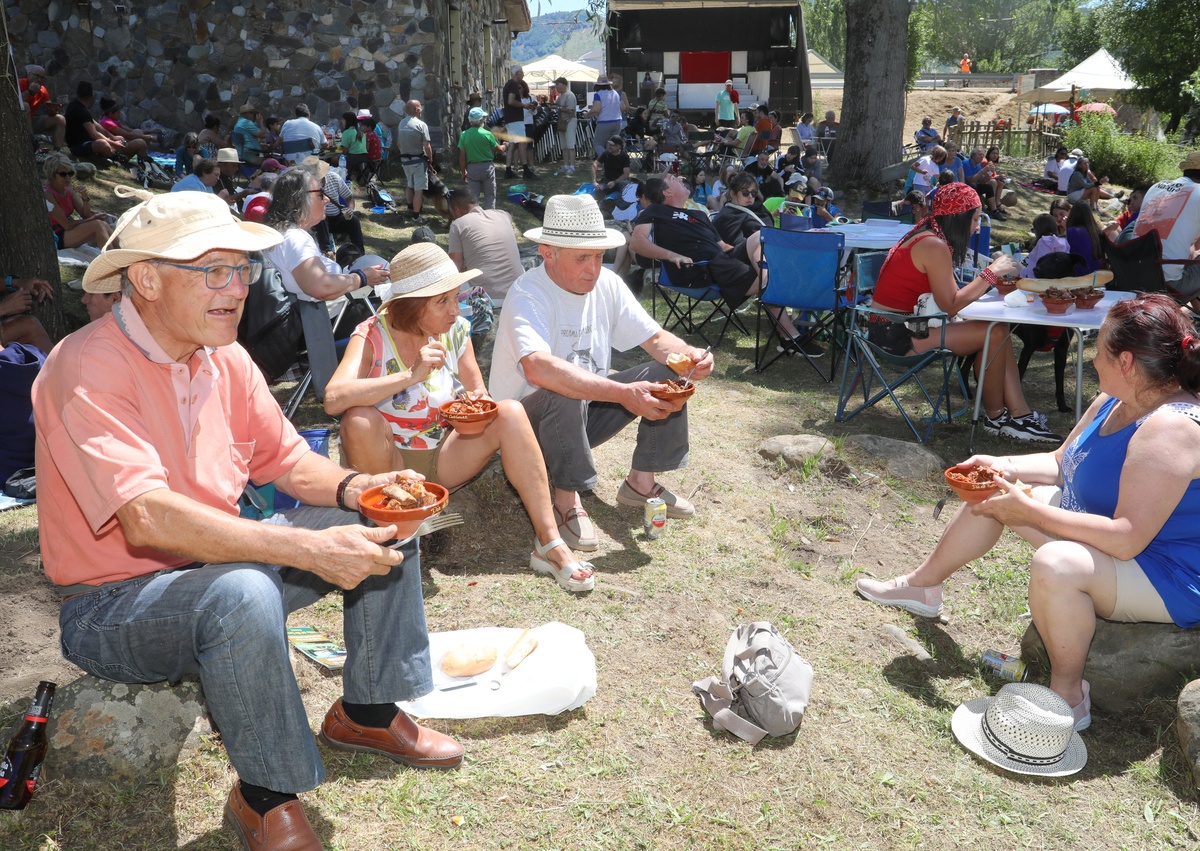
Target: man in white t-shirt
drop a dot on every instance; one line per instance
(301, 136)
(1172, 209)
(553, 351)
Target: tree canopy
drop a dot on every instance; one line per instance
(1157, 42)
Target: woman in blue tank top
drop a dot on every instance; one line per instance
(1116, 526)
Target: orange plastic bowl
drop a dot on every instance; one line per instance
(1057, 305)
(471, 423)
(406, 520)
(969, 492)
(1087, 302)
(674, 395)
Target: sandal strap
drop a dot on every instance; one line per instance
(542, 549)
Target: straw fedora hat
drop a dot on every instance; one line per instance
(1025, 728)
(423, 270)
(1191, 161)
(176, 226)
(575, 221)
(228, 155)
(247, 108)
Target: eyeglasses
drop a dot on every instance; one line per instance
(66, 174)
(219, 277)
(317, 191)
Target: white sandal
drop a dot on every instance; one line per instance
(540, 564)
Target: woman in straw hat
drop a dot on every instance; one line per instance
(414, 356)
(1115, 523)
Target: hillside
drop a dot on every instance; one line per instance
(569, 34)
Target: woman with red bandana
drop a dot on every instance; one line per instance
(924, 262)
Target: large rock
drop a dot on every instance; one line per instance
(902, 459)
(797, 449)
(105, 731)
(1130, 663)
(1187, 725)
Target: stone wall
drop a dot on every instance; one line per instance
(174, 60)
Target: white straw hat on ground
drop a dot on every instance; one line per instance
(575, 221)
(177, 226)
(424, 270)
(1025, 728)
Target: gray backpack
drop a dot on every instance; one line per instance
(765, 685)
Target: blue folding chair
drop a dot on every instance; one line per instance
(801, 269)
(868, 366)
(683, 304)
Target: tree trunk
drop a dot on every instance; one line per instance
(26, 244)
(872, 121)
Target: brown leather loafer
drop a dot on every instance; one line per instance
(284, 828)
(403, 740)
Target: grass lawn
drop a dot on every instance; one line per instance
(639, 766)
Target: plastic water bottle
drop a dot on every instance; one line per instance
(342, 162)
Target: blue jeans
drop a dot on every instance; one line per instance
(226, 623)
(567, 429)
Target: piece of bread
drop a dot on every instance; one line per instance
(523, 646)
(467, 660)
(680, 363)
(1040, 285)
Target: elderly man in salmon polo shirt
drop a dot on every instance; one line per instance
(150, 423)
(560, 324)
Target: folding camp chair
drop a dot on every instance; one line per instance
(683, 303)
(801, 269)
(731, 157)
(868, 366)
(322, 351)
(1135, 265)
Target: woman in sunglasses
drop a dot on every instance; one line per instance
(71, 217)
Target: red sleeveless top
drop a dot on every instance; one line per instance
(900, 282)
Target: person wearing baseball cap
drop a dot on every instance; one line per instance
(151, 422)
(560, 324)
(923, 262)
(725, 112)
(476, 157)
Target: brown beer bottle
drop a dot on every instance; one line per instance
(23, 761)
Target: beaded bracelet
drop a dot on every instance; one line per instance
(362, 276)
(989, 277)
(340, 497)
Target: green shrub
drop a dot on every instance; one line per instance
(1124, 159)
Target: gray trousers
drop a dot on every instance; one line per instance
(567, 430)
(481, 179)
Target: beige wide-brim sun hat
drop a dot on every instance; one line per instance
(1025, 728)
(423, 270)
(1191, 161)
(316, 165)
(177, 226)
(575, 221)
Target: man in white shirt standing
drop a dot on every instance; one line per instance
(560, 324)
(412, 140)
(568, 122)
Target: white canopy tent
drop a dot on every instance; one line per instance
(549, 68)
(1098, 77)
